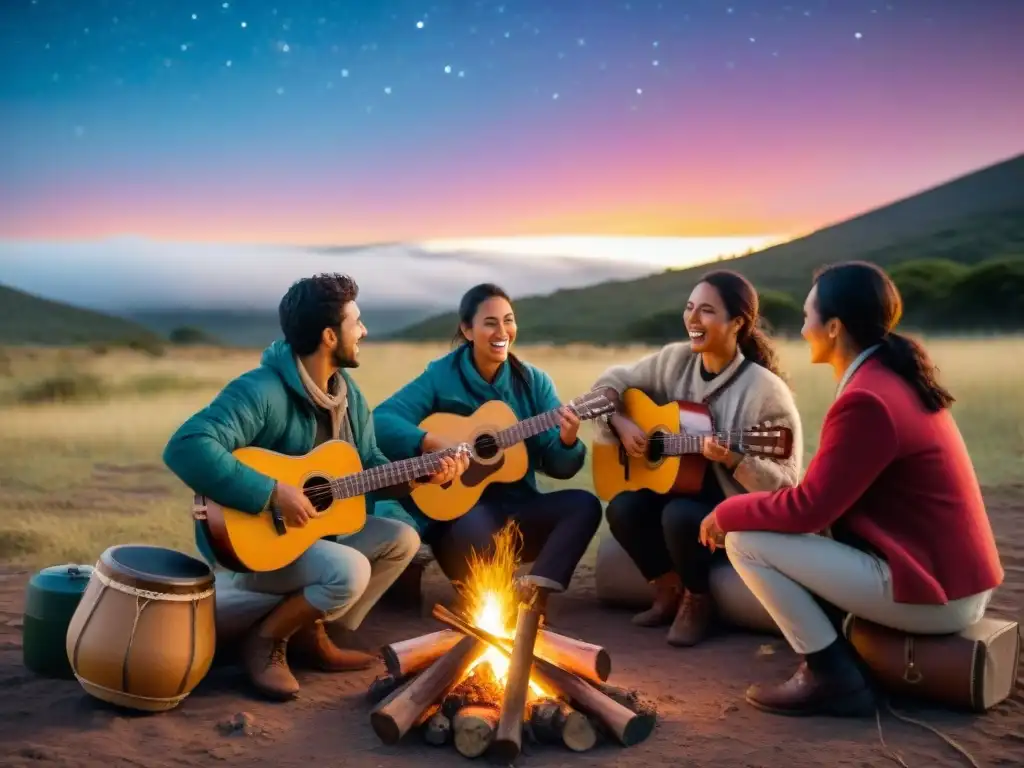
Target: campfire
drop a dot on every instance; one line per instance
(497, 677)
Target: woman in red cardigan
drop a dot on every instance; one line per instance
(911, 546)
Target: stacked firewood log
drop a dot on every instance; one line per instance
(437, 685)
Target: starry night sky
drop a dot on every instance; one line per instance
(345, 121)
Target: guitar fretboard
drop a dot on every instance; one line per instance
(527, 428)
(386, 475)
(679, 445)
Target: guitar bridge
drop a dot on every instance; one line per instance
(198, 507)
(278, 519)
(624, 461)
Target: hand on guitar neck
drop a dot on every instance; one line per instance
(434, 442)
(451, 466)
(568, 426)
(715, 450)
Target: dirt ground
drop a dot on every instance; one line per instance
(703, 719)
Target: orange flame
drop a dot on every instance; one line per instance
(490, 599)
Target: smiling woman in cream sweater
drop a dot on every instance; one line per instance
(729, 359)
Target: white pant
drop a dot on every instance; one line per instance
(782, 570)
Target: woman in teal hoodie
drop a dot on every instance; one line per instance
(557, 526)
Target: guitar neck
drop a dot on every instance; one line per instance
(386, 475)
(682, 444)
(528, 428)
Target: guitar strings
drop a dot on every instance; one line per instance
(324, 491)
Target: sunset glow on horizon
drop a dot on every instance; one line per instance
(656, 251)
(321, 122)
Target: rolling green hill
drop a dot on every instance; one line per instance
(29, 319)
(971, 219)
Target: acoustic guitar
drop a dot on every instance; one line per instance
(497, 451)
(675, 434)
(332, 478)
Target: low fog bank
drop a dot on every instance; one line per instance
(131, 275)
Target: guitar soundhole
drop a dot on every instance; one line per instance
(656, 446)
(318, 491)
(485, 447)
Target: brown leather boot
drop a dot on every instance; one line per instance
(692, 621)
(315, 647)
(666, 602)
(265, 650)
(828, 682)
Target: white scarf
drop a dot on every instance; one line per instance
(336, 404)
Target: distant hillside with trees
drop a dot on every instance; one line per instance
(956, 251)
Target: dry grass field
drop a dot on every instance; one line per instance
(80, 474)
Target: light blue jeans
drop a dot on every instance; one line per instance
(343, 578)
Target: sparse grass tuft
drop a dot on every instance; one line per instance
(159, 383)
(81, 387)
(63, 388)
(19, 544)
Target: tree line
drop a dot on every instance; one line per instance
(939, 295)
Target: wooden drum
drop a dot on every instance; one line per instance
(143, 635)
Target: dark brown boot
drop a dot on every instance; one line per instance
(667, 589)
(692, 621)
(265, 650)
(343, 637)
(316, 649)
(828, 682)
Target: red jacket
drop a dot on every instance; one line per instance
(901, 480)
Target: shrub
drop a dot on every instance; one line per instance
(63, 388)
(149, 345)
(159, 383)
(658, 328)
(989, 296)
(781, 312)
(187, 334)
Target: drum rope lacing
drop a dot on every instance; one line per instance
(150, 594)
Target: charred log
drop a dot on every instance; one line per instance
(438, 729)
(554, 722)
(383, 686)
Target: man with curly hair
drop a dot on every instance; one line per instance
(300, 396)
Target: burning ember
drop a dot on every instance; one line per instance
(496, 676)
